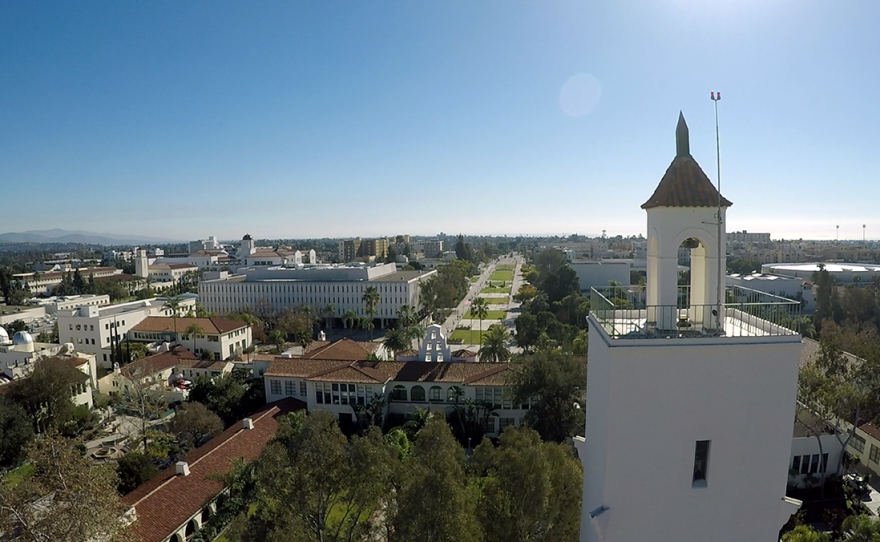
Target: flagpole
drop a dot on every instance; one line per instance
(722, 272)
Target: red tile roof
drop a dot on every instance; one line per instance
(210, 326)
(158, 362)
(685, 185)
(475, 373)
(167, 501)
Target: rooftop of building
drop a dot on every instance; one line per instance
(831, 267)
(168, 500)
(158, 362)
(379, 372)
(167, 324)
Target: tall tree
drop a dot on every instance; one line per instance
(84, 504)
(494, 348)
(329, 314)
(530, 490)
(367, 324)
(803, 533)
(350, 319)
(555, 384)
(276, 337)
(194, 330)
(47, 394)
(133, 469)
(15, 432)
(480, 309)
(194, 425)
(371, 301)
(396, 341)
(433, 501)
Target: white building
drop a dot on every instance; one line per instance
(19, 355)
(329, 379)
(598, 273)
(161, 275)
(747, 237)
(690, 404)
(842, 272)
(343, 286)
(40, 283)
(67, 302)
(788, 287)
(222, 337)
(89, 328)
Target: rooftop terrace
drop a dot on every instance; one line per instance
(623, 314)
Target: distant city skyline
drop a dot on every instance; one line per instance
(309, 120)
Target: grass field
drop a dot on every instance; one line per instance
(495, 291)
(474, 279)
(505, 267)
(496, 300)
(490, 315)
(501, 275)
(469, 337)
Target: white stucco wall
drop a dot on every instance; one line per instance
(650, 401)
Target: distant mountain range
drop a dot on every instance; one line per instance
(84, 237)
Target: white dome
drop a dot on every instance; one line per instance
(22, 337)
(4, 336)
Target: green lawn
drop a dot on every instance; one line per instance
(501, 275)
(495, 291)
(475, 279)
(15, 476)
(505, 267)
(496, 300)
(469, 337)
(490, 315)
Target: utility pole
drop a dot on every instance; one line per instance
(863, 233)
(722, 242)
(838, 232)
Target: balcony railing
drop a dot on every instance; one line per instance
(622, 312)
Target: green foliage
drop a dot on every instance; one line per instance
(525, 293)
(494, 348)
(133, 469)
(229, 396)
(396, 340)
(15, 432)
(447, 287)
(193, 425)
(803, 533)
(862, 528)
(556, 385)
(434, 501)
(743, 266)
(46, 394)
(530, 491)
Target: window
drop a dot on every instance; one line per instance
(701, 463)
(417, 394)
(427, 357)
(289, 387)
(398, 393)
(275, 387)
(875, 454)
(505, 422)
(435, 393)
(857, 443)
(814, 463)
(302, 388)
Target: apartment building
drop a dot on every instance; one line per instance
(89, 328)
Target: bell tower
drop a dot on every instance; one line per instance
(690, 390)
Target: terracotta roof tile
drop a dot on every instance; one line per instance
(341, 349)
(211, 326)
(158, 362)
(685, 185)
(382, 371)
(463, 353)
(165, 502)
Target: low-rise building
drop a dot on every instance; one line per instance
(799, 289)
(68, 302)
(221, 337)
(175, 504)
(152, 372)
(90, 328)
(40, 283)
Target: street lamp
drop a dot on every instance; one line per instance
(838, 232)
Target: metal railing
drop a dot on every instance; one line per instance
(624, 313)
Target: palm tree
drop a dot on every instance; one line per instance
(408, 321)
(350, 319)
(396, 341)
(277, 338)
(368, 325)
(494, 347)
(371, 300)
(329, 313)
(194, 329)
(173, 305)
(480, 309)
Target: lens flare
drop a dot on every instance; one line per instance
(580, 95)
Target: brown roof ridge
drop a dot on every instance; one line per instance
(266, 412)
(479, 376)
(685, 184)
(370, 372)
(344, 364)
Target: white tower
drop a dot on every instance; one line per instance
(247, 247)
(690, 398)
(141, 264)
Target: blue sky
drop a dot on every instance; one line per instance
(306, 118)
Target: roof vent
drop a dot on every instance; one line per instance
(182, 468)
(247, 423)
(287, 355)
